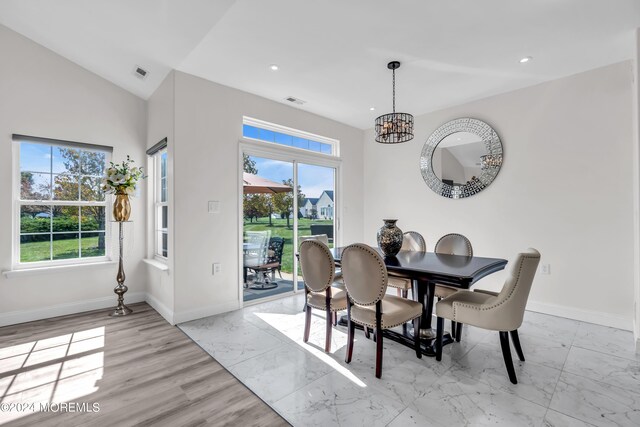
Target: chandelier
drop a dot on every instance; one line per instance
(490, 161)
(394, 127)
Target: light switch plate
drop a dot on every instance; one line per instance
(214, 206)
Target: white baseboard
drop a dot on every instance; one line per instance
(210, 310)
(164, 311)
(22, 316)
(599, 318)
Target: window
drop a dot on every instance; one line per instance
(161, 203)
(276, 134)
(60, 208)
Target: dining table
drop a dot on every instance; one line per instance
(425, 270)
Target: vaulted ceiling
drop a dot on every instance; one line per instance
(333, 53)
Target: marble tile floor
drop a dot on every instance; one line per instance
(576, 374)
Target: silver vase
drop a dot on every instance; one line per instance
(390, 238)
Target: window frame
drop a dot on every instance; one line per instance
(261, 124)
(158, 204)
(17, 204)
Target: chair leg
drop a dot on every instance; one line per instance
(516, 343)
(399, 292)
(453, 329)
(367, 335)
(416, 337)
(439, 333)
(335, 318)
(280, 273)
(378, 350)
(307, 323)
(351, 329)
(506, 353)
(405, 293)
(458, 331)
(327, 340)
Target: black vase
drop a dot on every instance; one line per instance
(390, 238)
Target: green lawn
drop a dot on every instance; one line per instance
(279, 229)
(62, 249)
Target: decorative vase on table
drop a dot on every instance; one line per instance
(390, 238)
(121, 180)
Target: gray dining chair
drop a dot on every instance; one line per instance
(365, 277)
(452, 244)
(497, 311)
(411, 241)
(318, 272)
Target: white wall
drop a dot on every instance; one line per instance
(565, 188)
(636, 186)
(160, 125)
(208, 126)
(43, 94)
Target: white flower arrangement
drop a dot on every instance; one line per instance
(122, 178)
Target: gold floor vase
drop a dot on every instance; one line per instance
(121, 208)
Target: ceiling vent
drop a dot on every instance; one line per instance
(293, 100)
(140, 72)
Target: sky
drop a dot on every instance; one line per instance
(313, 180)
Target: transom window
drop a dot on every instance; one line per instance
(60, 208)
(281, 135)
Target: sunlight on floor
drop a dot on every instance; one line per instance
(292, 325)
(53, 370)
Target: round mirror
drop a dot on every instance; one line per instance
(461, 158)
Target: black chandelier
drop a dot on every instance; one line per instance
(394, 128)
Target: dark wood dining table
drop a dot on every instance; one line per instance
(426, 269)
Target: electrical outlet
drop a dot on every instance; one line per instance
(217, 268)
(545, 269)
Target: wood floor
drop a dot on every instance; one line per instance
(139, 370)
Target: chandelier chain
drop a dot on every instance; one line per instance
(394, 89)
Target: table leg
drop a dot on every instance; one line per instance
(426, 293)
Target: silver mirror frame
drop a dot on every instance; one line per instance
(492, 144)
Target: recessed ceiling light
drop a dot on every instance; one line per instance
(526, 59)
(274, 67)
(372, 109)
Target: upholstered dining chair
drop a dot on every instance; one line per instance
(411, 241)
(497, 311)
(320, 237)
(318, 272)
(365, 276)
(452, 244)
(324, 239)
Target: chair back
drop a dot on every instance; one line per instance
(413, 241)
(276, 247)
(364, 274)
(513, 297)
(317, 264)
(454, 244)
(321, 237)
(259, 246)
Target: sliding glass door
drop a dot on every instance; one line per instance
(317, 205)
(283, 199)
